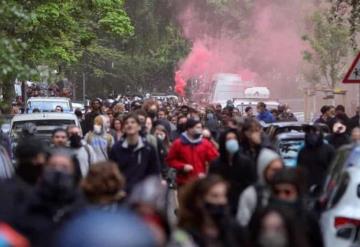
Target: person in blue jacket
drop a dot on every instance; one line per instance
(264, 114)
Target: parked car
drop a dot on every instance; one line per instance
(340, 200)
(289, 145)
(45, 123)
(48, 104)
(274, 129)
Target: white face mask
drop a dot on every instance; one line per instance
(161, 136)
(97, 129)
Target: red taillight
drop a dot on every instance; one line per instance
(341, 221)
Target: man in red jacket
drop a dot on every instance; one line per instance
(190, 153)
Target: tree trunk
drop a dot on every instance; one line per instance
(8, 92)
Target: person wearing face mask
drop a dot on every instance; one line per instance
(212, 123)
(288, 191)
(83, 152)
(180, 127)
(55, 199)
(339, 137)
(30, 155)
(276, 227)
(256, 196)
(237, 169)
(162, 134)
(315, 157)
(99, 139)
(204, 218)
(190, 153)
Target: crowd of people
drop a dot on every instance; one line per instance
(160, 174)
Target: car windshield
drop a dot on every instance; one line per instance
(49, 105)
(290, 148)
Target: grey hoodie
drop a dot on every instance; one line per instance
(86, 157)
(248, 199)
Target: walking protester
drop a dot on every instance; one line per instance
(278, 227)
(343, 117)
(135, 157)
(355, 120)
(251, 139)
(104, 186)
(100, 140)
(119, 110)
(15, 192)
(237, 169)
(59, 138)
(90, 116)
(339, 136)
(83, 152)
(288, 191)
(162, 135)
(324, 115)
(149, 200)
(116, 128)
(191, 153)
(256, 196)
(315, 157)
(355, 135)
(331, 120)
(79, 116)
(204, 218)
(284, 114)
(264, 114)
(146, 130)
(249, 113)
(56, 198)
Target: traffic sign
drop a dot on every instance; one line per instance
(353, 75)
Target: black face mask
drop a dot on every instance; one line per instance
(152, 114)
(57, 186)
(217, 212)
(75, 141)
(29, 172)
(313, 140)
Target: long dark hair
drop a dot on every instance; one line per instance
(295, 234)
(224, 155)
(192, 213)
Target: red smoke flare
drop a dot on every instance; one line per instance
(180, 84)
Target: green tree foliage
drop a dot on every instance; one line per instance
(146, 61)
(330, 43)
(53, 33)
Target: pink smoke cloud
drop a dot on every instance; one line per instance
(268, 54)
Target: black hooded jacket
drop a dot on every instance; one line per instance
(315, 160)
(240, 173)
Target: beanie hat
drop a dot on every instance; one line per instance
(292, 176)
(191, 123)
(265, 158)
(165, 124)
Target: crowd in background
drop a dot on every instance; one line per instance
(154, 173)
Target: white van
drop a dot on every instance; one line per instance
(227, 87)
